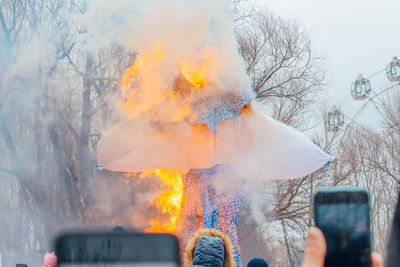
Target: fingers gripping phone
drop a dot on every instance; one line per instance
(343, 215)
(117, 250)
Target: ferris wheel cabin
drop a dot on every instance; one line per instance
(393, 70)
(361, 88)
(334, 121)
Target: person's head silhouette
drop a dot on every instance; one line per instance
(257, 262)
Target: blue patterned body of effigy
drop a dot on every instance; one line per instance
(221, 203)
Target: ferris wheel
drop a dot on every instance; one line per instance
(361, 90)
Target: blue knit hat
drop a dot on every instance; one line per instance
(257, 262)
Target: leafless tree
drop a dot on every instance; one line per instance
(285, 72)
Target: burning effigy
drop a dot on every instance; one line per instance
(194, 122)
(224, 137)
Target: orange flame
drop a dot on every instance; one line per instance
(195, 74)
(149, 90)
(168, 201)
(162, 88)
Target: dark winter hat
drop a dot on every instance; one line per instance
(118, 229)
(257, 262)
(209, 251)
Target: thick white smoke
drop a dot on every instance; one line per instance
(183, 27)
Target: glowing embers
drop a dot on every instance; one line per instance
(334, 121)
(168, 200)
(393, 70)
(361, 88)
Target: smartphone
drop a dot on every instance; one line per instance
(393, 247)
(343, 215)
(117, 250)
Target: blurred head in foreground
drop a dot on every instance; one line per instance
(208, 247)
(257, 262)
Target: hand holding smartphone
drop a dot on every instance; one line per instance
(343, 215)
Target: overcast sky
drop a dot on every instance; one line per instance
(356, 36)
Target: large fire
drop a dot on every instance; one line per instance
(160, 88)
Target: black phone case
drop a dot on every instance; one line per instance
(345, 190)
(117, 248)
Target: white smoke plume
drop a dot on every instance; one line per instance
(184, 28)
(197, 31)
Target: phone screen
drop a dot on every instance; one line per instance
(117, 250)
(343, 217)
